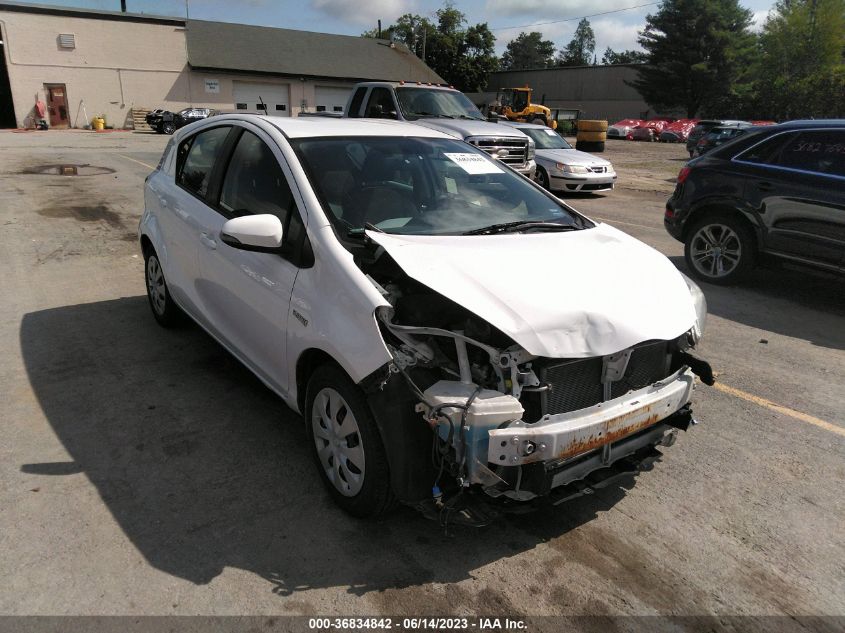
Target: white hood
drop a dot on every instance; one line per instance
(579, 294)
(572, 157)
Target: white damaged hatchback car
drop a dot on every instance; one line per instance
(455, 338)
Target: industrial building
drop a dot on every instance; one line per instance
(81, 63)
(599, 92)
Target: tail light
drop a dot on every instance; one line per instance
(683, 174)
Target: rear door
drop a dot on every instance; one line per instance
(798, 185)
(245, 296)
(182, 204)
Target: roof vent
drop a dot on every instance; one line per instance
(67, 40)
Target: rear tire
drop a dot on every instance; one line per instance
(165, 310)
(346, 444)
(719, 249)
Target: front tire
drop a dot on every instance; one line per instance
(719, 249)
(168, 128)
(346, 444)
(541, 177)
(165, 310)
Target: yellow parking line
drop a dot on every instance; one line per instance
(642, 226)
(804, 417)
(135, 160)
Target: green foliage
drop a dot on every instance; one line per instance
(625, 57)
(528, 50)
(464, 56)
(698, 56)
(800, 71)
(579, 51)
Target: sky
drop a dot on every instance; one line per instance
(555, 19)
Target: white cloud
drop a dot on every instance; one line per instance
(759, 20)
(366, 13)
(613, 31)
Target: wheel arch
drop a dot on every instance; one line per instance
(722, 207)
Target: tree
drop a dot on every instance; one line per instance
(528, 50)
(625, 57)
(580, 49)
(463, 56)
(800, 70)
(698, 56)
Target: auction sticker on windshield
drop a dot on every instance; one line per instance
(473, 163)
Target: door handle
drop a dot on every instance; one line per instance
(764, 186)
(208, 242)
(163, 202)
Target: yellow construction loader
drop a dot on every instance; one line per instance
(515, 104)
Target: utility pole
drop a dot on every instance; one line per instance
(123, 6)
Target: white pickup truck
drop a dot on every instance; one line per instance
(446, 110)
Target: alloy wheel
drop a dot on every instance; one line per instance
(715, 250)
(338, 441)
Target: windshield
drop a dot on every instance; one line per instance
(417, 103)
(421, 186)
(546, 138)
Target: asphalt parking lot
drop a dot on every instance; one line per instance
(144, 471)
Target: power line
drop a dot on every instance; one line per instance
(583, 17)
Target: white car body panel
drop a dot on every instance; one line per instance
(620, 292)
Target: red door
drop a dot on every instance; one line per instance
(56, 104)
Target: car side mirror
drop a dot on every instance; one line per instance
(262, 233)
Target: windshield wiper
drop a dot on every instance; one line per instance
(432, 115)
(358, 232)
(522, 225)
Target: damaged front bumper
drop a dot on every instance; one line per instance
(566, 435)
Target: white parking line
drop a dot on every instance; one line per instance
(135, 160)
(642, 226)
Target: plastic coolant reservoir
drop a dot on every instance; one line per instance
(489, 410)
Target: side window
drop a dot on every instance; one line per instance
(766, 153)
(196, 157)
(254, 182)
(380, 105)
(355, 106)
(820, 151)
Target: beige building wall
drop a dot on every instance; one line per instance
(119, 65)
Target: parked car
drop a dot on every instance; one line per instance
(703, 127)
(447, 110)
(677, 131)
(561, 167)
(775, 193)
(391, 284)
(167, 122)
(719, 136)
(649, 131)
(621, 129)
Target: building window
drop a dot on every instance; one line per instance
(321, 108)
(261, 106)
(281, 107)
(338, 108)
(240, 106)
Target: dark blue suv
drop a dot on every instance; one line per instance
(776, 192)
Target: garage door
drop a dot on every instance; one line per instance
(330, 99)
(249, 96)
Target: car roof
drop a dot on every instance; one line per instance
(805, 123)
(311, 127)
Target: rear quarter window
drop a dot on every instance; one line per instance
(818, 151)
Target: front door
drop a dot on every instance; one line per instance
(57, 104)
(245, 295)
